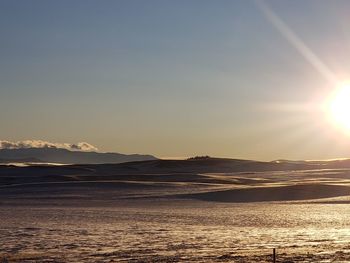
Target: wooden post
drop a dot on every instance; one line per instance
(274, 255)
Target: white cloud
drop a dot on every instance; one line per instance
(81, 146)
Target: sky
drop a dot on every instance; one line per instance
(241, 79)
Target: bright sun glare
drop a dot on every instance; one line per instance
(339, 107)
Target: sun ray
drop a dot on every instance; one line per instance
(297, 42)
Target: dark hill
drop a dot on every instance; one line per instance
(63, 156)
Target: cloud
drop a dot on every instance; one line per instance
(81, 146)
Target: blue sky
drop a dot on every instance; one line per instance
(173, 78)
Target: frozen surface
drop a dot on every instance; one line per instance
(187, 231)
(80, 215)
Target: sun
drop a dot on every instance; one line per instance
(339, 107)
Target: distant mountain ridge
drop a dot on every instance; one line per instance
(221, 165)
(150, 164)
(21, 160)
(64, 156)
